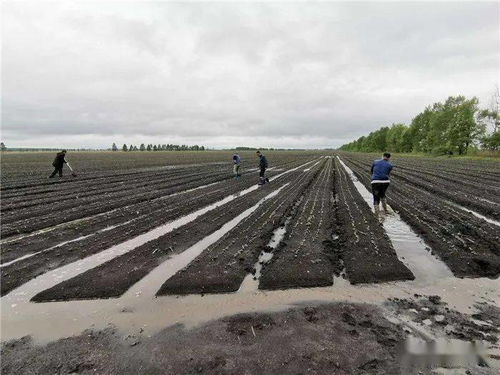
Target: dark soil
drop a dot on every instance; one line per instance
(115, 277)
(450, 322)
(325, 339)
(304, 259)
(223, 266)
(11, 276)
(362, 243)
(32, 219)
(469, 245)
(136, 213)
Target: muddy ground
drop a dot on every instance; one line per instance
(468, 244)
(338, 338)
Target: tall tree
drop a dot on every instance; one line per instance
(114, 147)
(124, 147)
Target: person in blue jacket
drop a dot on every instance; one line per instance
(381, 171)
(236, 165)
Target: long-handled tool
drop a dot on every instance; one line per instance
(71, 169)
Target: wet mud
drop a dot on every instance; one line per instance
(365, 343)
(115, 277)
(362, 244)
(224, 265)
(469, 245)
(304, 258)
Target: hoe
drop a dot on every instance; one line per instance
(71, 169)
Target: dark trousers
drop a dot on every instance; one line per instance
(262, 171)
(56, 170)
(378, 191)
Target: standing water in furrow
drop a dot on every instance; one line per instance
(223, 266)
(363, 245)
(304, 258)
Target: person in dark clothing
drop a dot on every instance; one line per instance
(380, 171)
(58, 163)
(263, 166)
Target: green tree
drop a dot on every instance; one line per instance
(462, 128)
(114, 147)
(124, 147)
(394, 140)
(142, 147)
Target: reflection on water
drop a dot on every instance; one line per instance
(410, 248)
(140, 311)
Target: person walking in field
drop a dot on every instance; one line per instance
(263, 166)
(58, 164)
(236, 165)
(380, 171)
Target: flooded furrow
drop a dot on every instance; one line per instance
(409, 247)
(149, 285)
(53, 277)
(251, 281)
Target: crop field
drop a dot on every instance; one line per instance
(430, 197)
(328, 230)
(142, 227)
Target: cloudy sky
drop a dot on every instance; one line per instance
(86, 74)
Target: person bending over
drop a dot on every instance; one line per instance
(58, 163)
(236, 165)
(380, 171)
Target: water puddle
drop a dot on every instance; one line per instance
(77, 221)
(68, 271)
(410, 248)
(477, 214)
(138, 311)
(150, 284)
(311, 167)
(251, 281)
(64, 243)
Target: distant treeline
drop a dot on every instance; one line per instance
(36, 149)
(151, 147)
(452, 127)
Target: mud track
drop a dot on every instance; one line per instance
(471, 188)
(304, 258)
(469, 245)
(20, 272)
(115, 277)
(129, 215)
(223, 266)
(362, 244)
(29, 220)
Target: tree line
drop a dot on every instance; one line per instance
(452, 127)
(151, 147)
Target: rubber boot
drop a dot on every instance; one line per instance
(377, 210)
(384, 205)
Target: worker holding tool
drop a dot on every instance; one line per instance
(263, 166)
(58, 164)
(380, 171)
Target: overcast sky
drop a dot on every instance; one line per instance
(229, 74)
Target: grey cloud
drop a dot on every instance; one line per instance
(296, 74)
